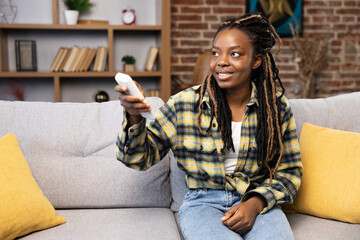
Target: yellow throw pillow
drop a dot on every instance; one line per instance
(330, 185)
(23, 206)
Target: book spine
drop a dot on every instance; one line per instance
(151, 59)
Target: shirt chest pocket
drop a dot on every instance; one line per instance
(198, 153)
(202, 146)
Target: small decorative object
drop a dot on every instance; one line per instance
(101, 96)
(12, 91)
(128, 16)
(74, 8)
(129, 63)
(8, 11)
(310, 56)
(18, 90)
(71, 17)
(281, 13)
(25, 55)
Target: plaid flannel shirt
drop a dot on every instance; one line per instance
(200, 156)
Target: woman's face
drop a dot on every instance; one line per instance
(233, 59)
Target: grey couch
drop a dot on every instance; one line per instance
(70, 148)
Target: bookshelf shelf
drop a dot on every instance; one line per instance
(112, 36)
(13, 74)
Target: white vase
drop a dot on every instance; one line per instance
(71, 17)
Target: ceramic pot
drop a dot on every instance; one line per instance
(71, 17)
(129, 67)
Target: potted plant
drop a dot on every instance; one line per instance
(74, 7)
(129, 63)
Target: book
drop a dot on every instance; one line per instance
(70, 60)
(89, 60)
(61, 59)
(76, 60)
(79, 59)
(153, 93)
(83, 62)
(97, 59)
(61, 67)
(103, 57)
(153, 53)
(56, 59)
(101, 54)
(100, 60)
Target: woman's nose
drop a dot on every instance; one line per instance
(223, 61)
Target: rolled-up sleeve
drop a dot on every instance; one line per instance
(146, 143)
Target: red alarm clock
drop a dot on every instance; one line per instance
(128, 16)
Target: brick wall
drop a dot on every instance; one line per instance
(194, 23)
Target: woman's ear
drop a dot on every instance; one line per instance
(257, 62)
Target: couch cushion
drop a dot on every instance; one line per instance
(23, 207)
(70, 148)
(307, 227)
(339, 112)
(330, 183)
(124, 224)
(178, 185)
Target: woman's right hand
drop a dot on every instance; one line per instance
(133, 104)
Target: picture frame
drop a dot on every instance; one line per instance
(25, 55)
(281, 14)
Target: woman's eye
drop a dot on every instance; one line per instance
(215, 54)
(235, 54)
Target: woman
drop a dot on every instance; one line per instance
(234, 136)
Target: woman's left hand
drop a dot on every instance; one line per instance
(241, 217)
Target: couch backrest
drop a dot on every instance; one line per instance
(70, 148)
(340, 112)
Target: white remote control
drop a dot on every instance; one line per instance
(126, 80)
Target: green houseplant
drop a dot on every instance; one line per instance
(73, 9)
(129, 63)
(78, 5)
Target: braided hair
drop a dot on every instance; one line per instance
(268, 131)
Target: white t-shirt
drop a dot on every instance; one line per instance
(231, 156)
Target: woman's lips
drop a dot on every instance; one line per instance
(224, 75)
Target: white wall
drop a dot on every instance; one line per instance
(49, 41)
(40, 11)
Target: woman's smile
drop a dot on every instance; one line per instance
(224, 75)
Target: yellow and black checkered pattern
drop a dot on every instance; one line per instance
(200, 156)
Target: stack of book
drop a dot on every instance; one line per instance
(100, 60)
(80, 59)
(153, 93)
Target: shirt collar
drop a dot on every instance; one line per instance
(254, 95)
(253, 98)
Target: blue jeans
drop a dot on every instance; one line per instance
(202, 209)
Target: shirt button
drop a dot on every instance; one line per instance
(201, 147)
(214, 125)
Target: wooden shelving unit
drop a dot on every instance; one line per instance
(162, 33)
